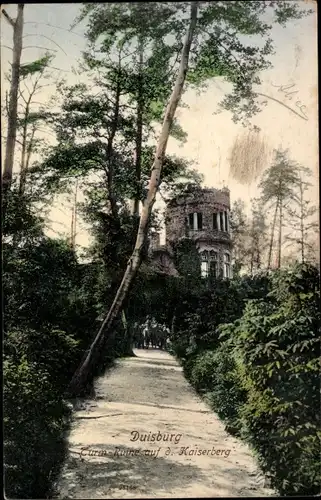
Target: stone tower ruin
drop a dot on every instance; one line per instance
(202, 215)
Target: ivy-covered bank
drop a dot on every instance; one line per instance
(255, 358)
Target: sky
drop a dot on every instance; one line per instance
(210, 136)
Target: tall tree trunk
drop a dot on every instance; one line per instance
(252, 252)
(280, 235)
(13, 105)
(110, 144)
(302, 223)
(23, 173)
(25, 157)
(139, 136)
(258, 254)
(139, 129)
(72, 229)
(80, 377)
(173, 322)
(26, 147)
(272, 235)
(251, 262)
(128, 348)
(73, 236)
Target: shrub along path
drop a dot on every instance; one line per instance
(148, 396)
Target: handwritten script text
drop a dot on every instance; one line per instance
(291, 94)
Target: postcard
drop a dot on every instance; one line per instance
(161, 258)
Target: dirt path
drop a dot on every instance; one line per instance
(147, 396)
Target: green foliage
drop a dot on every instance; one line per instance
(280, 179)
(35, 66)
(187, 261)
(203, 372)
(220, 52)
(279, 345)
(35, 419)
(215, 373)
(260, 372)
(49, 319)
(22, 220)
(50, 350)
(37, 282)
(199, 313)
(301, 218)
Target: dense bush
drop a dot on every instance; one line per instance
(227, 394)
(203, 371)
(199, 313)
(35, 421)
(279, 344)
(261, 372)
(50, 317)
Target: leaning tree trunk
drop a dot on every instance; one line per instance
(80, 377)
(13, 105)
(272, 235)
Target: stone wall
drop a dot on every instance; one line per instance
(205, 201)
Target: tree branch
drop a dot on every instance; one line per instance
(37, 47)
(53, 26)
(22, 96)
(50, 40)
(8, 18)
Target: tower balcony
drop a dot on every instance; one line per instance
(210, 236)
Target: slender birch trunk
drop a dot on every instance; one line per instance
(13, 105)
(81, 375)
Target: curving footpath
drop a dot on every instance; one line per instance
(148, 435)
